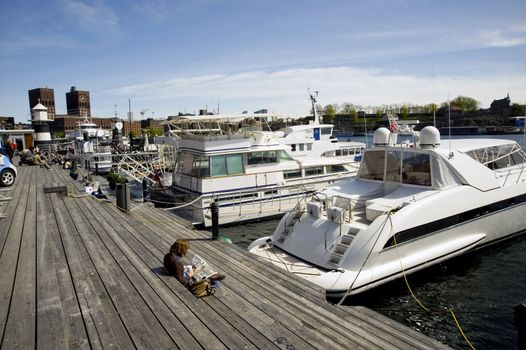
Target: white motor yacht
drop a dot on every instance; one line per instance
(90, 129)
(250, 175)
(96, 154)
(409, 207)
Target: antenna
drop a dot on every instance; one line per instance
(142, 112)
(433, 105)
(449, 123)
(313, 102)
(115, 110)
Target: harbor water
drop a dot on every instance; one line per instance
(481, 288)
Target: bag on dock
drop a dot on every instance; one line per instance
(202, 288)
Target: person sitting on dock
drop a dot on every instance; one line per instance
(37, 160)
(174, 264)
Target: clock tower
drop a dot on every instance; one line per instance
(77, 103)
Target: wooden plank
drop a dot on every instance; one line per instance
(225, 333)
(137, 273)
(235, 321)
(103, 322)
(138, 319)
(20, 329)
(10, 237)
(59, 318)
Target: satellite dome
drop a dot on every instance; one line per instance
(381, 137)
(429, 137)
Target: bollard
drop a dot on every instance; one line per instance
(520, 322)
(214, 208)
(123, 196)
(144, 189)
(96, 169)
(73, 165)
(86, 164)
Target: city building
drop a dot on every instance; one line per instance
(78, 103)
(501, 107)
(46, 97)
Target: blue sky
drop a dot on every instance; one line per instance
(171, 56)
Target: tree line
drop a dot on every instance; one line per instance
(465, 104)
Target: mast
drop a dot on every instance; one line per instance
(313, 102)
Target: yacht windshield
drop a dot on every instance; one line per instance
(498, 157)
(407, 167)
(372, 166)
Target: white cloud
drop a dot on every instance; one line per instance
(515, 36)
(285, 91)
(96, 16)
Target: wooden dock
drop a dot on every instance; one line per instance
(76, 272)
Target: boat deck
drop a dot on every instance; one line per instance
(79, 273)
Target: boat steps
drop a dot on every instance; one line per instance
(335, 258)
(346, 241)
(290, 225)
(356, 227)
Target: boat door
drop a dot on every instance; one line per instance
(261, 180)
(316, 133)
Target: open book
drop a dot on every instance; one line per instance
(201, 268)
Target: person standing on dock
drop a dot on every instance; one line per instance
(9, 149)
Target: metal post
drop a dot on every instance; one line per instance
(96, 168)
(214, 208)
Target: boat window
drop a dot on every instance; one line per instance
(392, 167)
(184, 163)
(200, 166)
(517, 158)
(284, 156)
(372, 165)
(302, 146)
(416, 169)
(309, 146)
(335, 168)
(262, 157)
(498, 157)
(293, 148)
(234, 164)
(313, 171)
(338, 152)
(292, 174)
(230, 164)
(326, 131)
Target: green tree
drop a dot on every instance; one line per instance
(404, 112)
(430, 108)
(517, 110)
(467, 104)
(154, 131)
(329, 112)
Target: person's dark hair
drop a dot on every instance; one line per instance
(180, 247)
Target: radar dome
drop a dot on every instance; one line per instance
(429, 137)
(381, 137)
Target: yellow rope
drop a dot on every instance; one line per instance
(413, 294)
